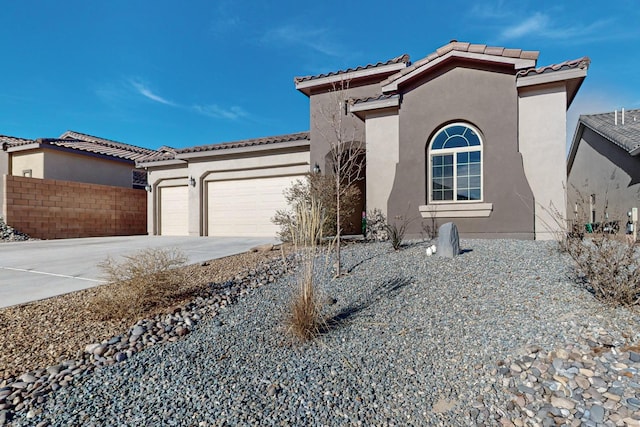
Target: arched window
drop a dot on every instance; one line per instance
(455, 164)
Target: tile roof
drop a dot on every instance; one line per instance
(455, 45)
(575, 63)
(626, 136)
(106, 146)
(171, 154)
(12, 140)
(372, 98)
(87, 143)
(398, 59)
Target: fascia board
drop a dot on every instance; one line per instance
(375, 105)
(518, 64)
(551, 77)
(24, 147)
(350, 75)
(577, 136)
(161, 163)
(241, 150)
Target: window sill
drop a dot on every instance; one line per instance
(456, 210)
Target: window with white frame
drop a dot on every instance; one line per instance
(455, 164)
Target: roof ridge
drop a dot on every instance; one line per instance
(455, 45)
(104, 141)
(398, 59)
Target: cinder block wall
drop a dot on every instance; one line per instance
(52, 209)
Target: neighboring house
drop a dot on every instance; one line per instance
(75, 157)
(603, 167)
(470, 134)
(58, 206)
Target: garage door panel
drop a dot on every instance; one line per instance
(245, 207)
(174, 220)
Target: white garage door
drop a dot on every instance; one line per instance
(245, 207)
(174, 220)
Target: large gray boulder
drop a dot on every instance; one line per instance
(448, 240)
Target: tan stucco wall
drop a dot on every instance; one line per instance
(542, 139)
(383, 154)
(86, 168)
(285, 162)
(4, 170)
(609, 172)
(28, 160)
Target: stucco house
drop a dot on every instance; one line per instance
(603, 167)
(71, 186)
(470, 133)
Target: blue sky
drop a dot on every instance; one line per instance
(154, 73)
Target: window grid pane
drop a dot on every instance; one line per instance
(456, 176)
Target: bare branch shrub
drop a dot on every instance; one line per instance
(305, 319)
(397, 230)
(149, 279)
(347, 155)
(321, 188)
(606, 263)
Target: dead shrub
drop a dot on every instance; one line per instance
(606, 263)
(140, 282)
(305, 318)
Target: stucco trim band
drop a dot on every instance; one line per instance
(456, 210)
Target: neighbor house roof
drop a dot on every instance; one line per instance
(520, 58)
(81, 142)
(624, 133)
(182, 153)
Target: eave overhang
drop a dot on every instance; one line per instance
(243, 150)
(159, 163)
(360, 109)
(572, 79)
(382, 71)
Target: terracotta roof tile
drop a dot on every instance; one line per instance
(575, 63)
(625, 136)
(13, 141)
(455, 45)
(399, 59)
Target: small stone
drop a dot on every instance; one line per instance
(631, 421)
(53, 370)
(633, 403)
(19, 385)
(89, 348)
(99, 350)
(138, 330)
(634, 356)
(272, 390)
(120, 357)
(562, 403)
(596, 414)
(181, 331)
(28, 378)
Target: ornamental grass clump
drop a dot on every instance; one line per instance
(140, 282)
(305, 317)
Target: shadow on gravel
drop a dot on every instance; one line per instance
(388, 289)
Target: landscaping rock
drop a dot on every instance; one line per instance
(448, 240)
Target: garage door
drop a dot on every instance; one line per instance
(245, 207)
(174, 202)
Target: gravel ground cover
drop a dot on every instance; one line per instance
(496, 336)
(10, 234)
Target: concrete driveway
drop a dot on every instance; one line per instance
(35, 270)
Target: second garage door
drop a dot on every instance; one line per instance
(245, 207)
(174, 202)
